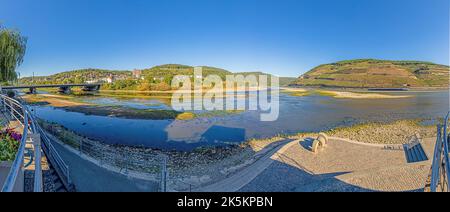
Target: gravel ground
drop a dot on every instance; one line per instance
(342, 166)
(398, 132)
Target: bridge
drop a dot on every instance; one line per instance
(63, 88)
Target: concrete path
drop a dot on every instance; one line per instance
(342, 166)
(89, 177)
(245, 176)
(291, 166)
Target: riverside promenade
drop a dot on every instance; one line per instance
(91, 177)
(343, 165)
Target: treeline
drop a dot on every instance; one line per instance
(76, 76)
(12, 51)
(156, 78)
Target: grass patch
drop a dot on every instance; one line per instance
(310, 93)
(185, 116)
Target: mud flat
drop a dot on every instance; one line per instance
(53, 100)
(72, 104)
(340, 94)
(355, 95)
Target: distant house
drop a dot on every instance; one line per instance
(109, 79)
(158, 79)
(137, 73)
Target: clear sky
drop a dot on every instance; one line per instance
(282, 37)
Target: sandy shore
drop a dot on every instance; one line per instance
(289, 89)
(53, 100)
(355, 95)
(340, 94)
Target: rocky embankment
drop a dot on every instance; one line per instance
(186, 169)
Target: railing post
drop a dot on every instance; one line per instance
(445, 139)
(164, 175)
(11, 107)
(36, 139)
(436, 164)
(69, 181)
(127, 162)
(4, 104)
(81, 147)
(17, 163)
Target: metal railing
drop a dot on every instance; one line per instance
(61, 168)
(40, 140)
(11, 107)
(440, 171)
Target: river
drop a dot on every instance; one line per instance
(297, 114)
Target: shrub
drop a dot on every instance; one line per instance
(9, 144)
(10, 93)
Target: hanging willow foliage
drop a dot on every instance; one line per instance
(12, 51)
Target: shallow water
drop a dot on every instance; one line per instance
(297, 114)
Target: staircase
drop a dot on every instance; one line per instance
(56, 180)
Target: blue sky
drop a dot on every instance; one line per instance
(283, 37)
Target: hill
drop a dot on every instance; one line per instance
(170, 70)
(366, 73)
(75, 76)
(155, 78)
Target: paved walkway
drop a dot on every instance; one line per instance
(341, 166)
(245, 176)
(89, 177)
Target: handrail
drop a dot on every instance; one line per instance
(54, 156)
(446, 156)
(60, 166)
(43, 142)
(10, 181)
(436, 161)
(441, 178)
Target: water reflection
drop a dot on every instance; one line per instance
(297, 114)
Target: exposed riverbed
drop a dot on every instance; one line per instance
(311, 113)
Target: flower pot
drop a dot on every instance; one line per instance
(5, 168)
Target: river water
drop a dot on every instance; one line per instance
(297, 114)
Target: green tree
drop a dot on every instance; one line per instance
(12, 51)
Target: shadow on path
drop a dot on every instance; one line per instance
(89, 177)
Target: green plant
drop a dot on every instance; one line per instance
(12, 51)
(10, 93)
(9, 144)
